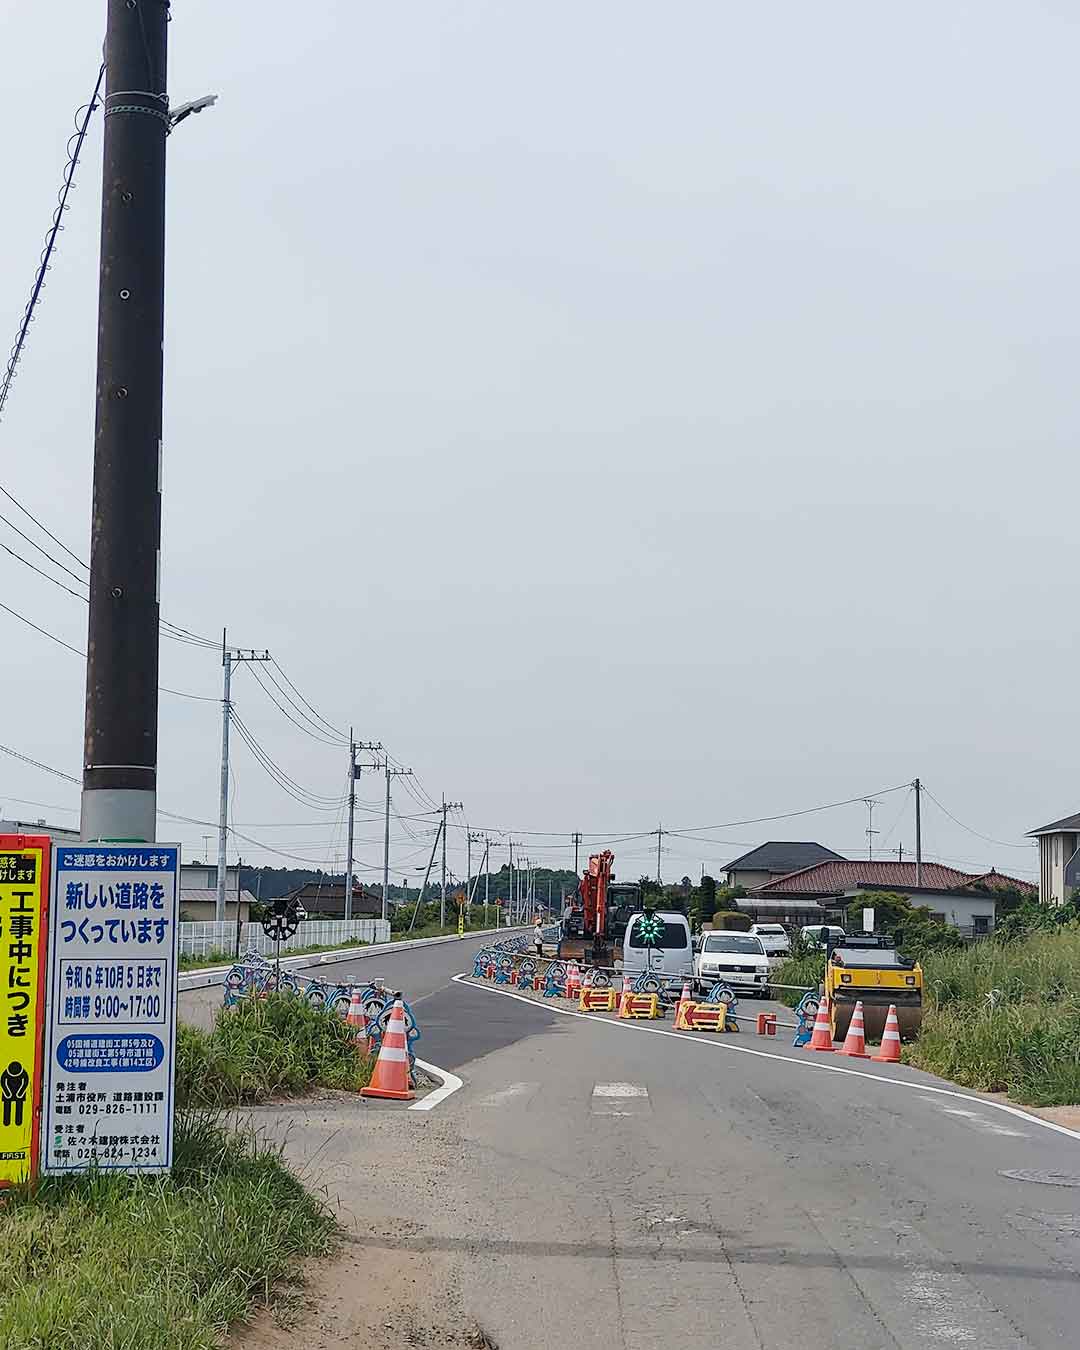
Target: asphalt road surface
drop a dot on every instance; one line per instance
(613, 1187)
(673, 1190)
(455, 1026)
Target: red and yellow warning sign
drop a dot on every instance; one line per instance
(24, 904)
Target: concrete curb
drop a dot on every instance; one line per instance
(204, 979)
(450, 1084)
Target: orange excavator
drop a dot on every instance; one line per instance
(585, 936)
(594, 925)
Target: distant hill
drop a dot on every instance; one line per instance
(267, 883)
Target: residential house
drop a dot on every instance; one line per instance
(775, 859)
(1059, 866)
(59, 834)
(198, 904)
(198, 893)
(327, 899)
(965, 900)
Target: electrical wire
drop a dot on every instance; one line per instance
(77, 651)
(37, 764)
(43, 631)
(43, 551)
(34, 568)
(336, 731)
(319, 736)
(43, 528)
(86, 112)
(318, 732)
(1005, 843)
(288, 784)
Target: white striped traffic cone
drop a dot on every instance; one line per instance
(889, 1053)
(391, 1076)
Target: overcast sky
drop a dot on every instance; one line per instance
(627, 413)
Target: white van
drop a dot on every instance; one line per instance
(671, 956)
(774, 939)
(735, 959)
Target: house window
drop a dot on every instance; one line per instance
(980, 923)
(937, 918)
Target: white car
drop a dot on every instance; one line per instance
(736, 959)
(818, 933)
(774, 939)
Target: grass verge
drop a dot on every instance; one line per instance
(1006, 1018)
(155, 1263)
(262, 1048)
(998, 1017)
(219, 958)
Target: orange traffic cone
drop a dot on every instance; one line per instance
(624, 1000)
(573, 980)
(822, 1036)
(684, 997)
(855, 1040)
(890, 1040)
(357, 1019)
(391, 1076)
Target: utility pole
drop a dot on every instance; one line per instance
(446, 806)
(659, 842)
(229, 657)
(119, 787)
(510, 886)
(423, 884)
(468, 863)
(917, 785)
(487, 878)
(577, 844)
(870, 831)
(346, 906)
(354, 773)
(390, 773)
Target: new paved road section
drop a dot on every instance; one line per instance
(455, 1027)
(620, 1189)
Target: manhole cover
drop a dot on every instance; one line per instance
(1044, 1178)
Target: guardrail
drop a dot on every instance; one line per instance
(204, 979)
(204, 937)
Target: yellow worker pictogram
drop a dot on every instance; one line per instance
(24, 891)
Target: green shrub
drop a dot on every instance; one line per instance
(158, 1263)
(733, 920)
(260, 1048)
(805, 969)
(1005, 1017)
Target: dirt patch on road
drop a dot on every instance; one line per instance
(384, 1173)
(366, 1298)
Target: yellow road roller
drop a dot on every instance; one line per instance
(867, 966)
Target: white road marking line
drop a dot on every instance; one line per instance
(619, 1090)
(725, 1044)
(450, 1084)
(982, 1123)
(507, 1094)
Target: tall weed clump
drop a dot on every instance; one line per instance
(1005, 1017)
(261, 1048)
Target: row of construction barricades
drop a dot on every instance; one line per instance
(594, 989)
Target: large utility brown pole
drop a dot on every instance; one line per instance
(119, 797)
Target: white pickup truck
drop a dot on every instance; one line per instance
(736, 959)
